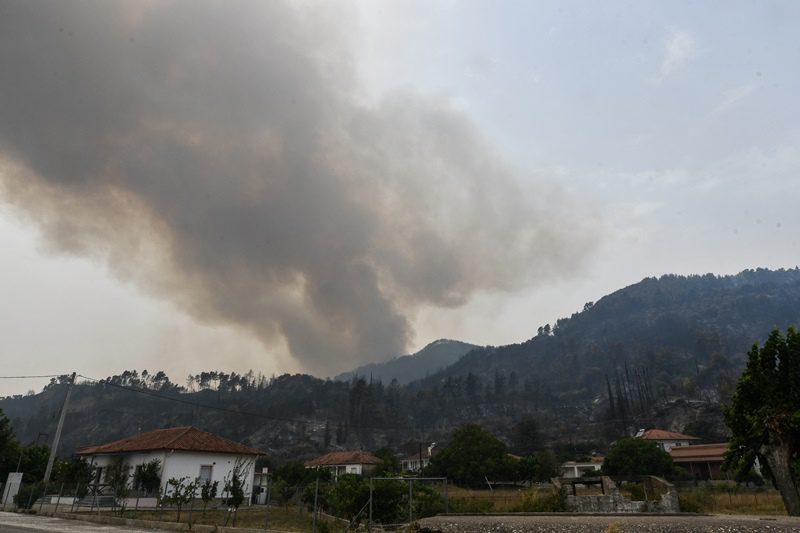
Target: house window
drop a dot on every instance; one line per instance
(205, 473)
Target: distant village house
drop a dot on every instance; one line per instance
(348, 462)
(576, 469)
(666, 440)
(417, 461)
(703, 461)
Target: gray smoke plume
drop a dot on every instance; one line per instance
(220, 155)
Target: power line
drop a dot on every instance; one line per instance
(32, 377)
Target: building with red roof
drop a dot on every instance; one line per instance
(181, 452)
(666, 440)
(703, 461)
(345, 462)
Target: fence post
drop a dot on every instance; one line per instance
(269, 494)
(74, 496)
(446, 498)
(314, 516)
(410, 499)
(58, 499)
(369, 523)
(191, 506)
(44, 494)
(30, 496)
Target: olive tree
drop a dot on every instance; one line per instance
(764, 414)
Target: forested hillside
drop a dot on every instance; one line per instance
(661, 352)
(433, 357)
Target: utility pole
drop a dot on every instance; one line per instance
(57, 437)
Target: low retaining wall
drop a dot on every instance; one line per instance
(612, 501)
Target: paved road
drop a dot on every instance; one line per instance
(602, 524)
(21, 523)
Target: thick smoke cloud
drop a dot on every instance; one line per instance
(220, 155)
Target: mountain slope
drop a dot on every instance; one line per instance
(433, 357)
(662, 352)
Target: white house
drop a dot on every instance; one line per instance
(182, 452)
(353, 462)
(666, 440)
(576, 469)
(417, 461)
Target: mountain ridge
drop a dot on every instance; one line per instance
(407, 368)
(662, 352)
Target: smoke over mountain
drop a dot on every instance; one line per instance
(221, 155)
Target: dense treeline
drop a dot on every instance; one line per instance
(663, 352)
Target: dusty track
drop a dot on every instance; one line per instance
(601, 524)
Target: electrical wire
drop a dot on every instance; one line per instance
(34, 377)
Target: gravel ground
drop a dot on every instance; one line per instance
(13, 523)
(602, 524)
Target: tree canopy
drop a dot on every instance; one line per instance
(472, 455)
(764, 414)
(9, 448)
(637, 457)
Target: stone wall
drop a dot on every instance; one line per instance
(612, 501)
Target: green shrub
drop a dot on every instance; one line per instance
(635, 491)
(695, 501)
(24, 499)
(427, 501)
(535, 501)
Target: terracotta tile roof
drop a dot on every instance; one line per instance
(660, 434)
(345, 458)
(699, 453)
(189, 439)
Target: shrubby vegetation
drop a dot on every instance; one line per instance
(637, 457)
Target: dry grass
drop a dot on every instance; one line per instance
(758, 502)
(498, 500)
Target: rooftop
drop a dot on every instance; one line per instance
(187, 438)
(345, 458)
(661, 434)
(699, 453)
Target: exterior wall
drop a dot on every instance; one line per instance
(187, 464)
(667, 445)
(704, 469)
(178, 464)
(339, 470)
(131, 460)
(413, 465)
(572, 469)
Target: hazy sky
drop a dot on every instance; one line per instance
(305, 187)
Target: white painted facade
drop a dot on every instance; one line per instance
(668, 444)
(339, 470)
(575, 469)
(178, 464)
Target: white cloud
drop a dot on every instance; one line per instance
(679, 48)
(731, 96)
